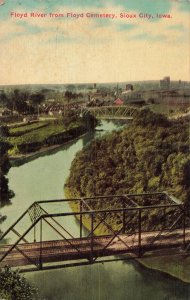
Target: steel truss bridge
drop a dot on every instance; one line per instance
(113, 112)
(140, 225)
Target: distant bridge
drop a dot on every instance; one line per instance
(114, 112)
(140, 229)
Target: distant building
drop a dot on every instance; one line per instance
(176, 97)
(165, 83)
(133, 98)
(119, 101)
(58, 108)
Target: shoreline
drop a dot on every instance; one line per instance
(145, 261)
(44, 149)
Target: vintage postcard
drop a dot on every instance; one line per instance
(95, 149)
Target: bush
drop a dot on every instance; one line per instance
(13, 286)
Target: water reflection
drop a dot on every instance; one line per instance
(111, 281)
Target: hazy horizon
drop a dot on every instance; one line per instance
(92, 83)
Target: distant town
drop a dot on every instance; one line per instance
(30, 102)
(118, 153)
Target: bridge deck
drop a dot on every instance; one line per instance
(62, 250)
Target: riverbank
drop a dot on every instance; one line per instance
(43, 137)
(28, 140)
(43, 150)
(175, 263)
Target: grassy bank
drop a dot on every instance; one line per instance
(35, 137)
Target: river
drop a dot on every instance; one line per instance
(44, 178)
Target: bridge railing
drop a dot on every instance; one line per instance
(134, 228)
(111, 111)
(88, 203)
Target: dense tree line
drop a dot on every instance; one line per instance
(13, 286)
(21, 101)
(151, 154)
(5, 193)
(69, 95)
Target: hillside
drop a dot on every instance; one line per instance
(151, 154)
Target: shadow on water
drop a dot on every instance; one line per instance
(179, 289)
(111, 280)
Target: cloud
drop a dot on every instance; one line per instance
(184, 5)
(126, 27)
(178, 27)
(30, 28)
(136, 5)
(63, 50)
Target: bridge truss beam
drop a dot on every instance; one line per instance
(133, 234)
(111, 112)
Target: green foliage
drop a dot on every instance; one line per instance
(146, 117)
(13, 151)
(37, 98)
(151, 154)
(18, 101)
(90, 121)
(35, 133)
(4, 167)
(68, 120)
(4, 131)
(3, 98)
(70, 95)
(15, 287)
(32, 137)
(20, 130)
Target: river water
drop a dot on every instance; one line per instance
(43, 178)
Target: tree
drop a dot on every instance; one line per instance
(68, 96)
(90, 121)
(150, 155)
(5, 193)
(4, 131)
(13, 286)
(37, 99)
(3, 99)
(18, 101)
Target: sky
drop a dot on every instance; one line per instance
(58, 50)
